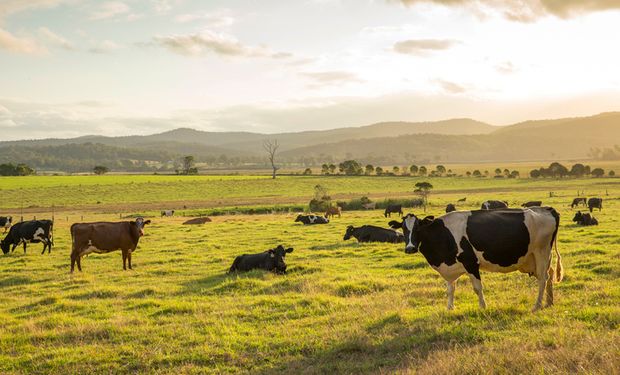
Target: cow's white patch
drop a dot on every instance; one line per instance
(312, 219)
(456, 222)
(39, 234)
(410, 223)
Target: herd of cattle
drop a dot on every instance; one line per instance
(495, 238)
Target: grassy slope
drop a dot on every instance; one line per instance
(343, 307)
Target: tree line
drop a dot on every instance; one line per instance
(557, 170)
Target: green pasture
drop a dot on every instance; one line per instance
(343, 307)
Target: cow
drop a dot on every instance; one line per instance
(578, 201)
(33, 231)
(462, 200)
(418, 202)
(369, 206)
(5, 222)
(270, 260)
(464, 242)
(532, 204)
(371, 233)
(595, 203)
(311, 219)
(197, 221)
(450, 208)
(333, 211)
(491, 205)
(584, 219)
(393, 208)
(167, 213)
(104, 237)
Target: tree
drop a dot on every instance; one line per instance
(332, 168)
(271, 147)
(187, 166)
(369, 169)
(351, 168)
(498, 171)
(395, 169)
(534, 173)
(325, 169)
(423, 189)
(514, 174)
(578, 170)
(422, 171)
(413, 169)
(378, 171)
(477, 173)
(440, 169)
(468, 173)
(506, 172)
(307, 172)
(611, 174)
(23, 170)
(557, 170)
(100, 169)
(598, 172)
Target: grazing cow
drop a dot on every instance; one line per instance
(371, 233)
(595, 203)
(5, 222)
(270, 260)
(197, 220)
(491, 205)
(450, 208)
(584, 219)
(369, 206)
(532, 204)
(34, 231)
(464, 242)
(167, 213)
(578, 201)
(311, 219)
(462, 200)
(104, 237)
(393, 208)
(333, 211)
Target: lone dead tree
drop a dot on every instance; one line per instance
(271, 146)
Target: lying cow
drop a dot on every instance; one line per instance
(104, 237)
(578, 201)
(595, 203)
(393, 208)
(167, 213)
(270, 260)
(462, 200)
(5, 222)
(371, 233)
(491, 205)
(464, 242)
(333, 211)
(532, 204)
(450, 208)
(584, 219)
(34, 231)
(311, 219)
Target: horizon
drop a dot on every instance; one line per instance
(135, 67)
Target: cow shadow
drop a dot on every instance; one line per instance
(222, 282)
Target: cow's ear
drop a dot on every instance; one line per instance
(427, 220)
(147, 222)
(395, 224)
(289, 250)
(271, 253)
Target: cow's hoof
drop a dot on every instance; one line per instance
(536, 308)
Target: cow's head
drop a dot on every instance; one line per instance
(411, 227)
(578, 216)
(278, 254)
(298, 218)
(140, 223)
(349, 232)
(5, 245)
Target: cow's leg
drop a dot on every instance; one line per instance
(24, 247)
(477, 284)
(79, 261)
(124, 259)
(72, 261)
(542, 274)
(451, 288)
(44, 247)
(14, 246)
(549, 301)
(129, 259)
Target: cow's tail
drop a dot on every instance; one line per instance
(559, 270)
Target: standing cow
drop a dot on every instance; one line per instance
(492, 205)
(5, 222)
(333, 211)
(393, 208)
(167, 213)
(595, 203)
(33, 231)
(464, 242)
(578, 201)
(104, 237)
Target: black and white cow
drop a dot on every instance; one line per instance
(532, 204)
(5, 222)
(491, 205)
(167, 213)
(311, 219)
(464, 242)
(34, 231)
(371, 233)
(595, 203)
(584, 219)
(270, 260)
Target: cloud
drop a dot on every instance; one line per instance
(209, 41)
(527, 10)
(450, 87)
(16, 44)
(329, 78)
(56, 39)
(506, 67)
(423, 46)
(6, 118)
(216, 20)
(110, 9)
(106, 46)
(8, 7)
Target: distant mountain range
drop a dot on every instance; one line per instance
(456, 140)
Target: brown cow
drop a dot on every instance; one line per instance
(104, 237)
(333, 211)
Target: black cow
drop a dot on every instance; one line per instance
(393, 208)
(584, 219)
(450, 208)
(492, 205)
(464, 242)
(311, 219)
(595, 203)
(532, 204)
(578, 201)
(371, 233)
(270, 260)
(34, 231)
(5, 222)
(462, 200)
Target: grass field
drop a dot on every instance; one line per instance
(342, 308)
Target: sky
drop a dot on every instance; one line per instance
(76, 67)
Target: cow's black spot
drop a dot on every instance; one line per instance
(468, 258)
(437, 244)
(501, 235)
